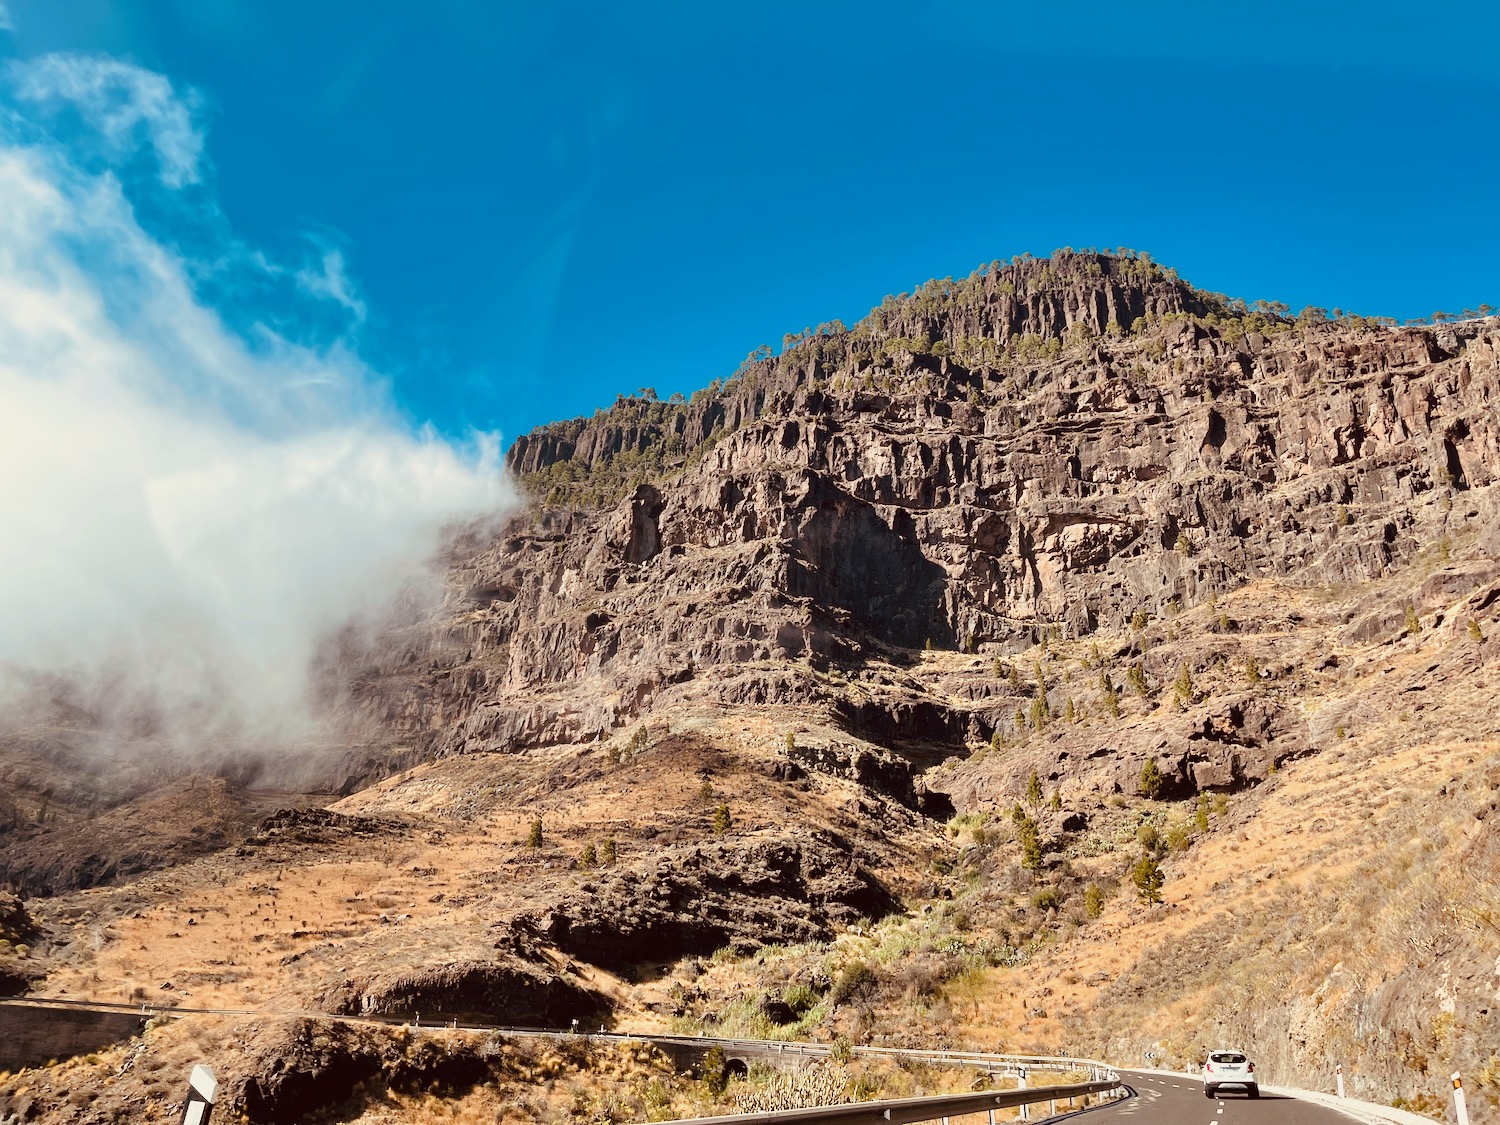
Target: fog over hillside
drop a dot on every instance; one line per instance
(189, 503)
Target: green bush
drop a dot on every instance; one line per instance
(534, 833)
(1047, 899)
(715, 1071)
(800, 998)
(1093, 901)
(855, 979)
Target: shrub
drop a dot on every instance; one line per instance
(589, 856)
(607, 855)
(1137, 677)
(1413, 623)
(1252, 670)
(534, 833)
(1148, 837)
(1056, 803)
(1093, 901)
(791, 742)
(715, 1070)
(1140, 620)
(1047, 899)
(1474, 631)
(1153, 781)
(800, 998)
(853, 980)
(721, 819)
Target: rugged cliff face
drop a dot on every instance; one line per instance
(1044, 449)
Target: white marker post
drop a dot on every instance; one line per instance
(1021, 1085)
(1460, 1106)
(203, 1087)
(1339, 1075)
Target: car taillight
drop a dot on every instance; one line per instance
(1250, 1067)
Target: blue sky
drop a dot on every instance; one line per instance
(514, 212)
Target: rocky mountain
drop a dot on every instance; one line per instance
(906, 669)
(1046, 449)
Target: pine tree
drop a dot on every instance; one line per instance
(1031, 844)
(607, 854)
(1182, 690)
(1034, 790)
(534, 833)
(1152, 780)
(589, 857)
(1148, 878)
(721, 819)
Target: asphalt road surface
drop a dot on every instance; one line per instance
(1175, 1099)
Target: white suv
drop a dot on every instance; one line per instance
(1229, 1068)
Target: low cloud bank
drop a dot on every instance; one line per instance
(186, 508)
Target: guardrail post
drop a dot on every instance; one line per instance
(1460, 1105)
(1021, 1085)
(203, 1088)
(1338, 1072)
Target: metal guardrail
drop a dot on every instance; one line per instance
(905, 1111)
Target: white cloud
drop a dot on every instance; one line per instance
(186, 512)
(332, 282)
(121, 103)
(6, 23)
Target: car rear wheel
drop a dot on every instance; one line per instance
(1210, 1091)
(1255, 1091)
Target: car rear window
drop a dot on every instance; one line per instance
(1227, 1057)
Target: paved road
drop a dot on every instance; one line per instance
(1166, 1099)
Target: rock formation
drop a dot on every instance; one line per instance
(1044, 449)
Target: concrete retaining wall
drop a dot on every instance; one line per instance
(29, 1036)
